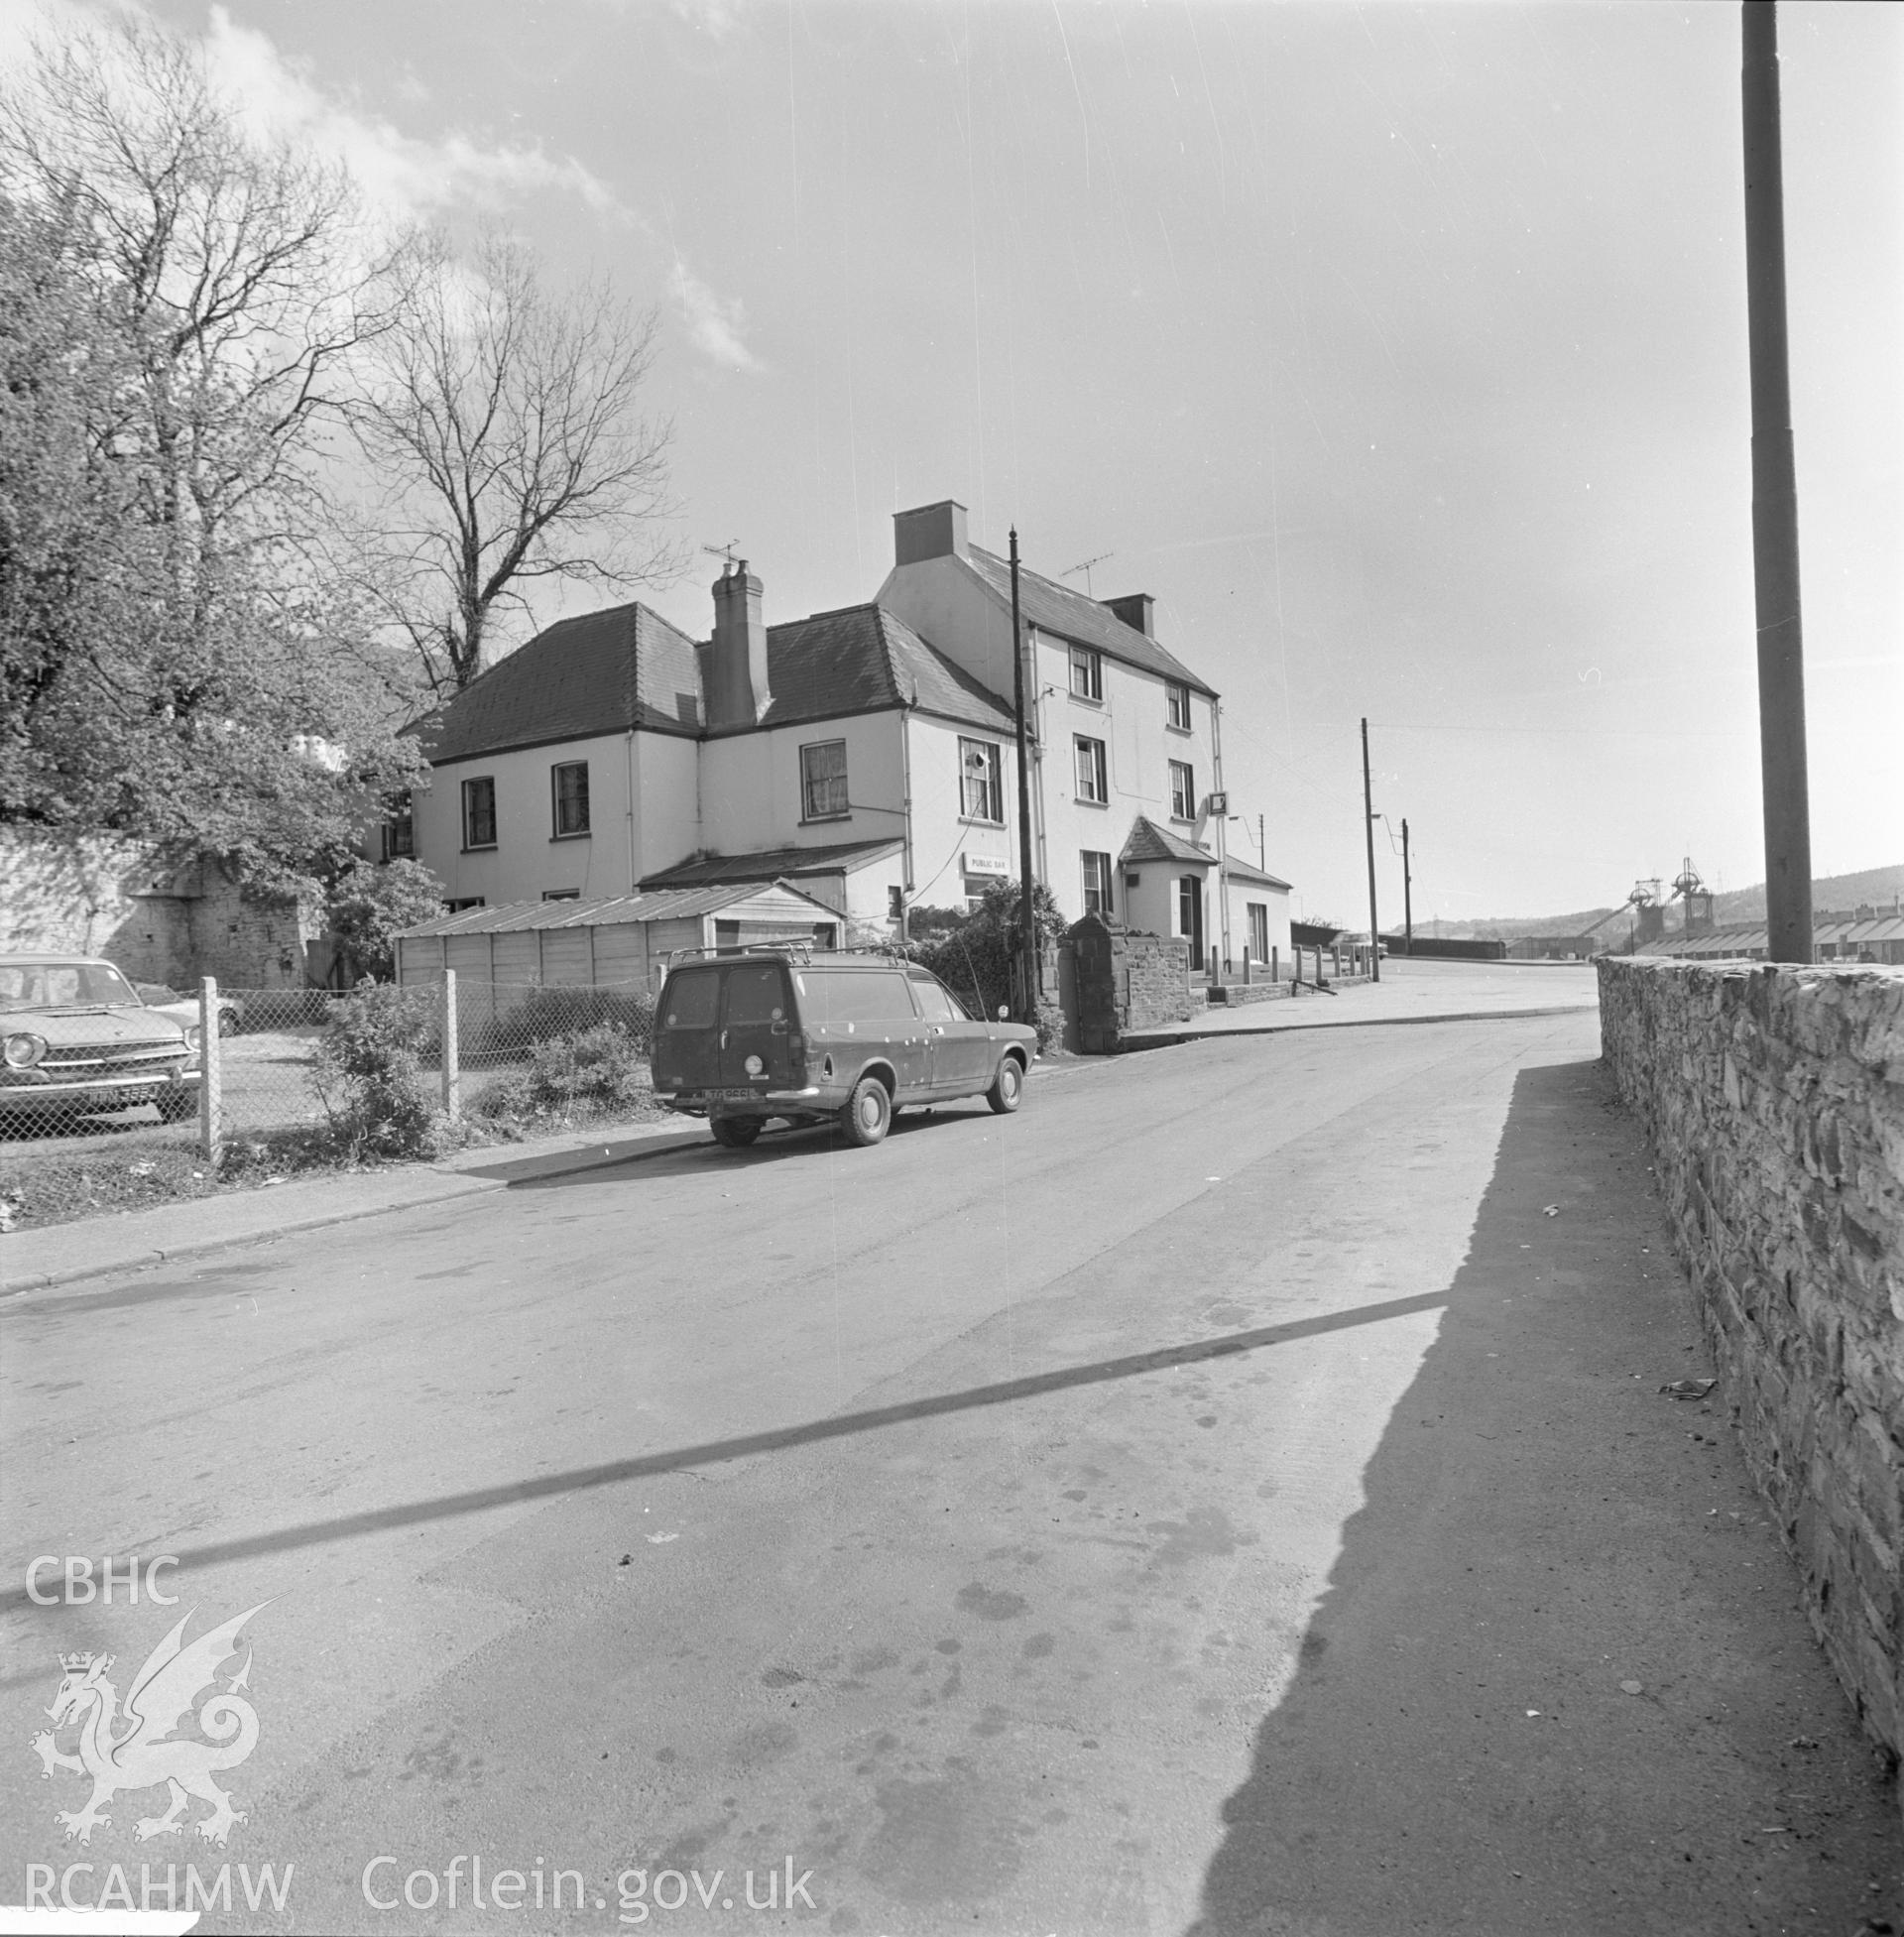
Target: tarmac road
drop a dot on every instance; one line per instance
(1220, 1496)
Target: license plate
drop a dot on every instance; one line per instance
(732, 1096)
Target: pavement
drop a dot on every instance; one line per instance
(62, 1254)
(1409, 990)
(1233, 1495)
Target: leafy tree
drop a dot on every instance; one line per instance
(177, 305)
(506, 419)
(980, 959)
(370, 905)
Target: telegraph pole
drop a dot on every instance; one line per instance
(1369, 834)
(1781, 645)
(1407, 893)
(1027, 929)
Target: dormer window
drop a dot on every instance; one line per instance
(1087, 675)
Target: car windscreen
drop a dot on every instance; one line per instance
(755, 994)
(691, 999)
(61, 985)
(854, 996)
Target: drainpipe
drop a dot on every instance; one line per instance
(906, 807)
(634, 832)
(1221, 819)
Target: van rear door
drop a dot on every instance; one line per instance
(687, 1039)
(754, 1028)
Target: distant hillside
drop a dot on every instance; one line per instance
(1877, 887)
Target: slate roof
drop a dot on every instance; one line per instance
(599, 673)
(1055, 608)
(626, 667)
(509, 918)
(1150, 842)
(772, 864)
(1245, 872)
(863, 659)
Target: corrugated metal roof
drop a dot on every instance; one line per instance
(772, 864)
(614, 911)
(1055, 608)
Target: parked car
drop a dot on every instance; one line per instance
(746, 1036)
(76, 1040)
(183, 1009)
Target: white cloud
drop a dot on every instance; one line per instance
(714, 323)
(407, 177)
(405, 174)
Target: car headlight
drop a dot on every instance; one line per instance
(24, 1051)
(193, 1034)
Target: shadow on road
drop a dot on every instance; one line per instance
(549, 1486)
(1557, 1679)
(694, 1149)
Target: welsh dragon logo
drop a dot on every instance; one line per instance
(137, 1748)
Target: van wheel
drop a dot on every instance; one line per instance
(867, 1115)
(734, 1132)
(1008, 1088)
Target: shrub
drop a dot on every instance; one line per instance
(924, 922)
(978, 961)
(557, 1013)
(371, 903)
(597, 1072)
(368, 1072)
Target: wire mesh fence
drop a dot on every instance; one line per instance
(281, 1061)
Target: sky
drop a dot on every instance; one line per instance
(1400, 351)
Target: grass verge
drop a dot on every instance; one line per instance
(58, 1186)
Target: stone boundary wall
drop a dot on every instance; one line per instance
(157, 914)
(1231, 995)
(1773, 1099)
(1122, 979)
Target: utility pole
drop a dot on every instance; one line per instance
(1369, 834)
(1263, 844)
(1407, 893)
(1027, 929)
(1781, 646)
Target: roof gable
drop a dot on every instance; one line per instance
(1055, 608)
(1150, 842)
(863, 659)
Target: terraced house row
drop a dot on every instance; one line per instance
(865, 756)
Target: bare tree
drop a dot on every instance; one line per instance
(241, 271)
(505, 423)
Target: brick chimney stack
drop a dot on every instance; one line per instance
(734, 672)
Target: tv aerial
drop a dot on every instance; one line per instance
(726, 551)
(1085, 567)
